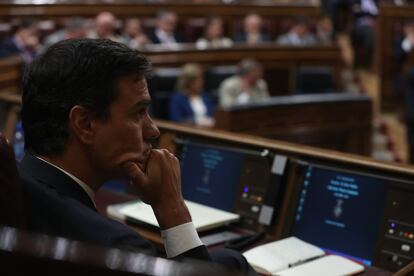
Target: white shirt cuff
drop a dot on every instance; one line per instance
(180, 239)
(406, 45)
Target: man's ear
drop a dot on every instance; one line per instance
(80, 123)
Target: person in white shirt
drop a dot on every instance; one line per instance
(246, 87)
(213, 35)
(298, 35)
(86, 120)
(165, 32)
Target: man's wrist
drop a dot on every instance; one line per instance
(171, 214)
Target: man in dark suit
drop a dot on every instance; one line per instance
(364, 13)
(165, 32)
(85, 118)
(24, 42)
(253, 32)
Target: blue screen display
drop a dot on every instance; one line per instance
(210, 175)
(340, 212)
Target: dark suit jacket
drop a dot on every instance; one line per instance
(242, 37)
(154, 38)
(8, 48)
(180, 109)
(58, 206)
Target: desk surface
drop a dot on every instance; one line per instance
(105, 197)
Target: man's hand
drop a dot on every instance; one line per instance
(160, 187)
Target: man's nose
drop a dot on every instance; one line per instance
(151, 131)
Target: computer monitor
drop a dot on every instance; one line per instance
(221, 176)
(340, 211)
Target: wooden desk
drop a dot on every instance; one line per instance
(340, 161)
(347, 161)
(337, 121)
(280, 63)
(105, 197)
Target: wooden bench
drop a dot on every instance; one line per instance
(273, 12)
(339, 121)
(280, 63)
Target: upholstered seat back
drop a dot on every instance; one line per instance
(11, 204)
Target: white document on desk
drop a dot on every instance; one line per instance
(330, 265)
(294, 257)
(276, 256)
(203, 217)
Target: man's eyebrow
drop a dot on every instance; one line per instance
(142, 103)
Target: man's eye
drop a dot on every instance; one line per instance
(142, 112)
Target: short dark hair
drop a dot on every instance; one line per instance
(247, 65)
(72, 72)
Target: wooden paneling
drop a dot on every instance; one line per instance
(273, 12)
(169, 131)
(336, 121)
(280, 63)
(143, 8)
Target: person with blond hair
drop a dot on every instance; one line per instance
(190, 104)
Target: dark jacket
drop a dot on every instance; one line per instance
(154, 38)
(242, 37)
(56, 205)
(8, 48)
(180, 109)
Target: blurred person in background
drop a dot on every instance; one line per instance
(190, 104)
(165, 32)
(364, 13)
(213, 35)
(133, 35)
(299, 34)
(404, 80)
(75, 27)
(324, 30)
(24, 42)
(253, 31)
(104, 27)
(248, 86)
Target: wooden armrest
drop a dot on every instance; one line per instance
(11, 98)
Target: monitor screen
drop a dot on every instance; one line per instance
(340, 211)
(212, 175)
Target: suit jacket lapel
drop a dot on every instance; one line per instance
(54, 178)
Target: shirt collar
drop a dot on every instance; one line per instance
(165, 37)
(82, 184)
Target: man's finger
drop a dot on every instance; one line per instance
(134, 172)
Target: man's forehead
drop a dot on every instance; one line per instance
(135, 81)
(134, 87)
